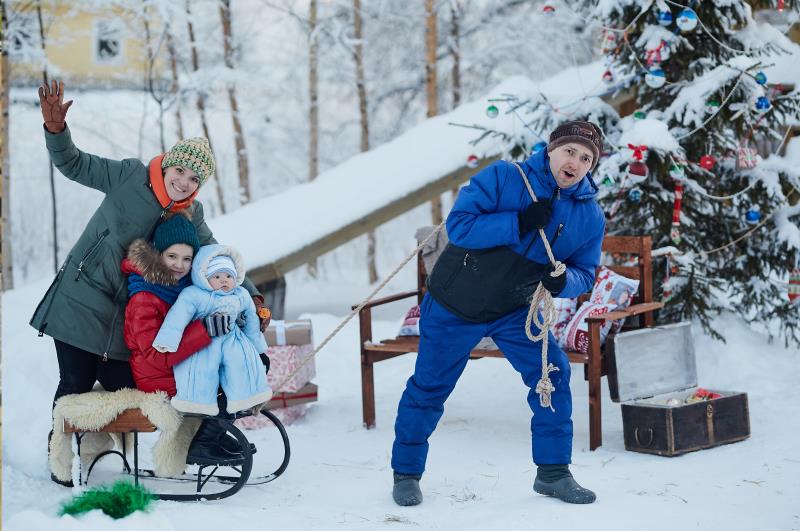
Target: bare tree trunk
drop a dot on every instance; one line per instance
(173, 63)
(148, 77)
(431, 88)
(313, 109)
(52, 175)
(201, 105)
(5, 247)
(455, 50)
(361, 88)
(238, 133)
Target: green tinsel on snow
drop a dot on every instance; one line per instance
(117, 501)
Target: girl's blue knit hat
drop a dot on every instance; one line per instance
(175, 229)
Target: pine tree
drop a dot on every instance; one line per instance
(703, 106)
(703, 121)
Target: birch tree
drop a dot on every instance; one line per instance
(5, 246)
(201, 102)
(313, 107)
(238, 132)
(361, 90)
(431, 87)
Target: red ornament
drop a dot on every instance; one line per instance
(472, 161)
(548, 9)
(707, 162)
(638, 169)
(780, 6)
(608, 76)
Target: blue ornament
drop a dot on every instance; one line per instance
(687, 20)
(763, 104)
(752, 216)
(655, 77)
(664, 18)
(761, 78)
(635, 195)
(538, 146)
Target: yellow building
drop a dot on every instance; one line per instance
(86, 44)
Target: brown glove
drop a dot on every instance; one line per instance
(54, 110)
(264, 315)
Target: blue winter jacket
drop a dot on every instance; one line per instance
(486, 212)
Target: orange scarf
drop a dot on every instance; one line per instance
(160, 189)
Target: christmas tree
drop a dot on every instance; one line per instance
(696, 166)
(704, 104)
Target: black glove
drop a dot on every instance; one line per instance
(536, 216)
(217, 324)
(554, 284)
(265, 361)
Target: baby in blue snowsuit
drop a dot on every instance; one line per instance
(232, 360)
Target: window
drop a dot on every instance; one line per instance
(108, 41)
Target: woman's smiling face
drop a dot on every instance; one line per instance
(180, 182)
(569, 163)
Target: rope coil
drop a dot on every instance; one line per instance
(544, 299)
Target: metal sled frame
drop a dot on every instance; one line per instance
(236, 481)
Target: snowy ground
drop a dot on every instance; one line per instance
(479, 471)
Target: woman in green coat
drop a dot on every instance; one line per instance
(84, 307)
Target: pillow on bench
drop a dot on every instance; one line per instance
(564, 307)
(611, 291)
(410, 326)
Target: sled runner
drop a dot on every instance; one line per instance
(232, 474)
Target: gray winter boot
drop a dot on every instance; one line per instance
(557, 481)
(406, 489)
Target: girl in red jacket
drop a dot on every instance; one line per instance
(157, 272)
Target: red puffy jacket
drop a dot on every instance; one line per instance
(152, 370)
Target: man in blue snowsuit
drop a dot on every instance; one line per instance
(481, 287)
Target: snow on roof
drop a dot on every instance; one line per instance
(276, 226)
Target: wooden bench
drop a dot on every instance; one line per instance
(634, 249)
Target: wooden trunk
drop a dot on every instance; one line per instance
(652, 372)
(670, 431)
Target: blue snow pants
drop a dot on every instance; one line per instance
(445, 343)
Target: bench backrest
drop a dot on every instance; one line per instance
(627, 255)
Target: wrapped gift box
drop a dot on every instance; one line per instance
(283, 361)
(288, 407)
(308, 393)
(280, 333)
(286, 415)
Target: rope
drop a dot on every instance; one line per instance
(543, 298)
(357, 309)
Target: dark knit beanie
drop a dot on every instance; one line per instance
(584, 133)
(175, 229)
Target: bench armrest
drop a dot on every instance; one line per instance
(630, 311)
(390, 298)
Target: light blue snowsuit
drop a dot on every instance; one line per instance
(231, 361)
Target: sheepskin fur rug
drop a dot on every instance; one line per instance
(93, 410)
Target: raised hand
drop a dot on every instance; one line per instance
(54, 110)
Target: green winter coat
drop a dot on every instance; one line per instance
(85, 304)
